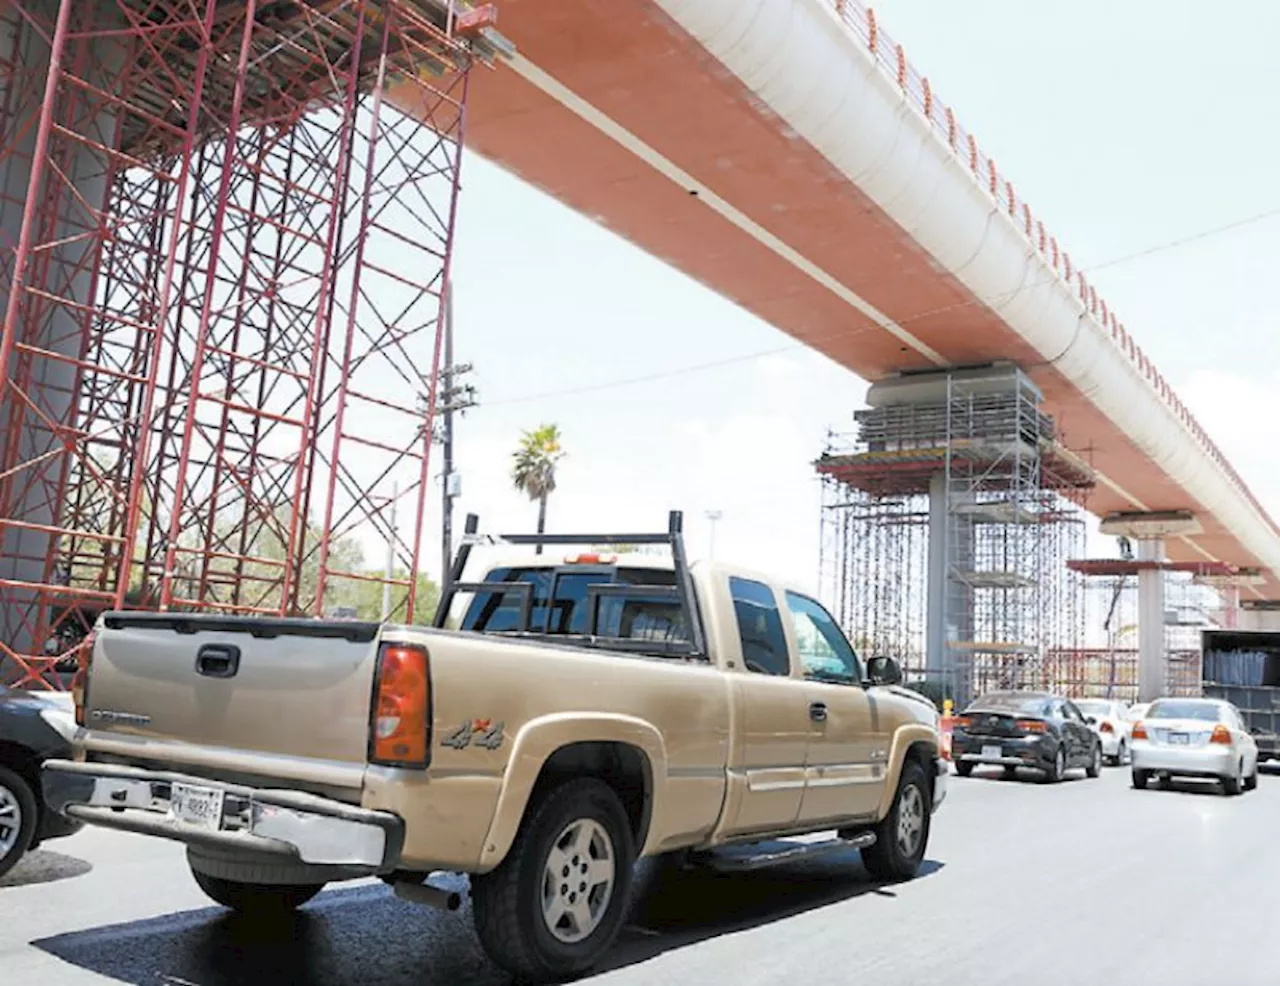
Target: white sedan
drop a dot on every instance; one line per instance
(1110, 720)
(1194, 737)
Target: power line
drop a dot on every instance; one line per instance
(799, 346)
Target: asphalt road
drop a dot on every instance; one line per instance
(1088, 881)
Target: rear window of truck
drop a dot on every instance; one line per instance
(630, 616)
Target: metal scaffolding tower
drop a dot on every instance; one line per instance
(947, 525)
(227, 227)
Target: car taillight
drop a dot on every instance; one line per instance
(962, 722)
(1106, 728)
(402, 707)
(1031, 725)
(1221, 734)
(80, 680)
(1139, 731)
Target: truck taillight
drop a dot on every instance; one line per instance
(402, 707)
(80, 681)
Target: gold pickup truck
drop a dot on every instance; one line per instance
(563, 718)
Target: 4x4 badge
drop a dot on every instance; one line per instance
(485, 733)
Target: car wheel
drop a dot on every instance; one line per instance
(1010, 772)
(1141, 778)
(17, 819)
(1231, 784)
(1122, 755)
(260, 901)
(1058, 768)
(964, 768)
(1095, 762)
(902, 836)
(556, 903)
(1251, 781)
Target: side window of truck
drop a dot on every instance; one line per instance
(824, 652)
(764, 645)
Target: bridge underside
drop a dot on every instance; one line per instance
(613, 109)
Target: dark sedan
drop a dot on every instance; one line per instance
(1025, 729)
(33, 728)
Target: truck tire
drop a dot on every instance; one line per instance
(556, 903)
(17, 819)
(902, 836)
(256, 900)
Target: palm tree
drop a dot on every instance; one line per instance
(534, 468)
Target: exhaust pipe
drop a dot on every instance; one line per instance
(424, 893)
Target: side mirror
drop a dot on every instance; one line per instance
(1091, 720)
(884, 671)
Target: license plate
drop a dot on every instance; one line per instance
(992, 753)
(198, 806)
(1183, 738)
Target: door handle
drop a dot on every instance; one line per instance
(818, 711)
(218, 660)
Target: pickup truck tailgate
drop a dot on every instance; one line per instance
(293, 688)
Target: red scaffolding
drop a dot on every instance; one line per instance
(223, 280)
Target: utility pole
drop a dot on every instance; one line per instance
(451, 399)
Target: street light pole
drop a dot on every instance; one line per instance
(713, 516)
(391, 554)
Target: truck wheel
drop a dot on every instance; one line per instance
(555, 905)
(258, 900)
(17, 819)
(903, 834)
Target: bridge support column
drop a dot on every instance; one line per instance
(1151, 649)
(1149, 530)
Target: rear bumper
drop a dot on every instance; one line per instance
(1034, 751)
(1196, 761)
(287, 824)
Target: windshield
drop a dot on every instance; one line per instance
(1015, 702)
(1190, 709)
(1095, 707)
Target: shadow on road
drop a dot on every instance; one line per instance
(363, 934)
(1022, 775)
(43, 866)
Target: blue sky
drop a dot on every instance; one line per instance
(1127, 127)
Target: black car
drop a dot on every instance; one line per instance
(33, 728)
(1025, 729)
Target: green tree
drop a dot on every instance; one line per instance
(366, 598)
(533, 470)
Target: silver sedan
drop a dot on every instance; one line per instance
(1194, 737)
